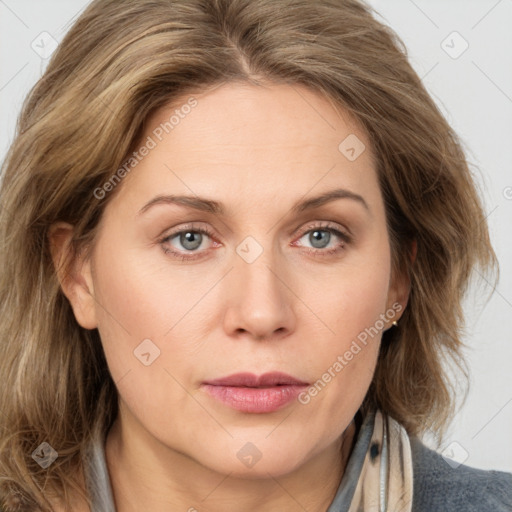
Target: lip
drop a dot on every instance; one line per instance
(251, 393)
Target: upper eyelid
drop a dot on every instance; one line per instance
(191, 226)
(327, 225)
(319, 225)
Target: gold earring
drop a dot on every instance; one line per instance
(394, 323)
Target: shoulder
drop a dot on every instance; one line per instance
(441, 486)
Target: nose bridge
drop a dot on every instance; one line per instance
(260, 302)
(258, 266)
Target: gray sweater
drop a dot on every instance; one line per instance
(440, 487)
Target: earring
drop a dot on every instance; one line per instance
(394, 323)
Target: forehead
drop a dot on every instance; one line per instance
(264, 117)
(253, 142)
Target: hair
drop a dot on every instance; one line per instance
(118, 64)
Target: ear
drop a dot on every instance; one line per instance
(400, 286)
(74, 274)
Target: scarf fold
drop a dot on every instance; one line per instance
(385, 483)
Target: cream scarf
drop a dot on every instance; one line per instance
(385, 483)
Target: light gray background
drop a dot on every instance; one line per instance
(474, 90)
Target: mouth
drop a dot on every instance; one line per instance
(251, 393)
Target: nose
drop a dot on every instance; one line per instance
(260, 301)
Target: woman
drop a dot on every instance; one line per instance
(236, 236)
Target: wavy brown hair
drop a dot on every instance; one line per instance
(120, 62)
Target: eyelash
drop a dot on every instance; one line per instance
(346, 239)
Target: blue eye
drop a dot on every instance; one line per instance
(320, 237)
(190, 240)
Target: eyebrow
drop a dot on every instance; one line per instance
(215, 207)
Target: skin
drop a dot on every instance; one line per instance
(257, 150)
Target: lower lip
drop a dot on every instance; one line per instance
(255, 400)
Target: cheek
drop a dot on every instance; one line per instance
(345, 358)
(138, 319)
(352, 298)
(351, 349)
(133, 305)
(145, 307)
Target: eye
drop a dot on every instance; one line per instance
(322, 237)
(191, 243)
(188, 240)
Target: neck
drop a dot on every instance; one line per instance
(146, 475)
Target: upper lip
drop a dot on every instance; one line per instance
(254, 381)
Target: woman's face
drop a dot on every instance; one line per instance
(249, 274)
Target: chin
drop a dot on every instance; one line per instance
(261, 470)
(248, 460)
